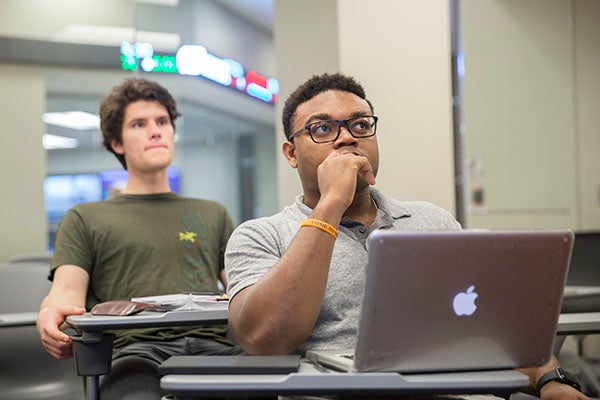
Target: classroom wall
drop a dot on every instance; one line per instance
(546, 100)
(530, 113)
(586, 31)
(22, 161)
(400, 51)
(202, 21)
(530, 100)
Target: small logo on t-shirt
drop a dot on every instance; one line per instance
(187, 237)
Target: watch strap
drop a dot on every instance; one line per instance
(559, 375)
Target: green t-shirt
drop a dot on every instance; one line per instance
(143, 245)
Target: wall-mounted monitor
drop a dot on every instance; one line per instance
(114, 181)
(61, 192)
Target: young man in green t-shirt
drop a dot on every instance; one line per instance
(145, 241)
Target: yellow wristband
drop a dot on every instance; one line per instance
(324, 226)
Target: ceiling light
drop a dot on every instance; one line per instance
(52, 142)
(73, 119)
(105, 35)
(167, 3)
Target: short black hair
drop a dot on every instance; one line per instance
(314, 86)
(112, 108)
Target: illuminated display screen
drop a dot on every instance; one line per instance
(195, 60)
(61, 192)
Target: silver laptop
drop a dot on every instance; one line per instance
(458, 301)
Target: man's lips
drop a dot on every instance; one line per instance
(156, 146)
(355, 152)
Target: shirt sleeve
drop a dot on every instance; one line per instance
(72, 244)
(228, 227)
(253, 249)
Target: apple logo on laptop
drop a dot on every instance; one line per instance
(464, 302)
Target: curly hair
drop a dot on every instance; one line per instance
(112, 108)
(314, 86)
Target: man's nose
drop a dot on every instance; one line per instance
(155, 129)
(345, 136)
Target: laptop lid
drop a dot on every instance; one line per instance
(461, 300)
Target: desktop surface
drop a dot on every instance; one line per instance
(89, 322)
(311, 381)
(18, 319)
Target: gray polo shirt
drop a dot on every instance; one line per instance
(257, 245)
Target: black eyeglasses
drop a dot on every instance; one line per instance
(329, 130)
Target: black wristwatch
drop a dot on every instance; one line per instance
(559, 375)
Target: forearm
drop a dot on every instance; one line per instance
(536, 373)
(62, 296)
(552, 390)
(66, 297)
(278, 313)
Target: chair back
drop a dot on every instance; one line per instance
(27, 371)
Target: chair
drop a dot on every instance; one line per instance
(28, 371)
(584, 270)
(40, 258)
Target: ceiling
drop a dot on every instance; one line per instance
(198, 124)
(259, 12)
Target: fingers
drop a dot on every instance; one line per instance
(366, 171)
(344, 168)
(58, 350)
(339, 176)
(56, 342)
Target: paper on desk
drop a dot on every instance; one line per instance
(186, 301)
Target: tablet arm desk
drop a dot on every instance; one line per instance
(577, 320)
(311, 381)
(93, 341)
(93, 349)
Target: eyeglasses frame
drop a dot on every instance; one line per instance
(340, 122)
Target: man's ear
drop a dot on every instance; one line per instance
(289, 151)
(117, 146)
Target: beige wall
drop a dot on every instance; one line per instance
(530, 112)
(305, 35)
(587, 112)
(45, 20)
(22, 161)
(402, 56)
(535, 121)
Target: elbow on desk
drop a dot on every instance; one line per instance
(263, 341)
(260, 330)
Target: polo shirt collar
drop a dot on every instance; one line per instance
(386, 213)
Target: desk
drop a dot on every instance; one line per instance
(581, 299)
(578, 323)
(18, 319)
(307, 380)
(147, 319)
(310, 381)
(93, 349)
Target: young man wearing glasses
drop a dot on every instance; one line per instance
(293, 277)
